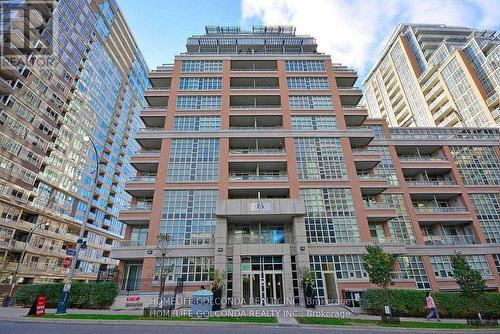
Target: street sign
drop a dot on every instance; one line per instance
(66, 262)
(70, 252)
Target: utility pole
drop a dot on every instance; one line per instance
(63, 302)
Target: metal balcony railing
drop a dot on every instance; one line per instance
(422, 158)
(148, 152)
(444, 240)
(377, 205)
(449, 209)
(255, 128)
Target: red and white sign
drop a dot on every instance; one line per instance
(40, 306)
(66, 262)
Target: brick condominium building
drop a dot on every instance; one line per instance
(256, 160)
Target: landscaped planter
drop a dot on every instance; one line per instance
(310, 296)
(217, 299)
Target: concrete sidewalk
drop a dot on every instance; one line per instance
(285, 314)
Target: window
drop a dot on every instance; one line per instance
(207, 102)
(200, 84)
(330, 216)
(188, 216)
(487, 207)
(188, 269)
(196, 123)
(314, 123)
(201, 66)
(194, 160)
(478, 165)
(443, 269)
(298, 102)
(320, 159)
(307, 82)
(414, 267)
(305, 66)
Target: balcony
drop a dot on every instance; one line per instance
(268, 174)
(365, 159)
(146, 160)
(259, 193)
(344, 76)
(157, 97)
(447, 240)
(371, 184)
(254, 65)
(141, 186)
(350, 96)
(379, 212)
(442, 214)
(248, 83)
(160, 80)
(354, 115)
(255, 123)
(256, 146)
(263, 239)
(131, 243)
(250, 102)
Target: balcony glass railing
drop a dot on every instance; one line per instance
(256, 106)
(257, 151)
(277, 238)
(422, 157)
(448, 209)
(255, 128)
(431, 182)
(255, 87)
(138, 207)
(132, 243)
(254, 177)
(377, 205)
(143, 179)
(443, 240)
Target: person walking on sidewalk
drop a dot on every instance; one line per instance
(431, 306)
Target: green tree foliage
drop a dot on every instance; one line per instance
(468, 279)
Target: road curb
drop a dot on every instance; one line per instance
(193, 323)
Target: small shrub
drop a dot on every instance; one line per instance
(411, 303)
(82, 295)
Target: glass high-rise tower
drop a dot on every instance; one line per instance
(256, 161)
(70, 70)
(436, 75)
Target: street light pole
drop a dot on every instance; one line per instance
(63, 302)
(7, 301)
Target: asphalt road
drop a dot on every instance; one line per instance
(13, 327)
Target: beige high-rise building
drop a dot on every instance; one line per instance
(436, 75)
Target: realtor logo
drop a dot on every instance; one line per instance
(27, 27)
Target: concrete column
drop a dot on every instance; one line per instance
(287, 279)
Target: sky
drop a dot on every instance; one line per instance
(354, 32)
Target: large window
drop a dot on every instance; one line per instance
(188, 216)
(200, 84)
(305, 65)
(204, 102)
(477, 165)
(314, 123)
(201, 66)
(298, 102)
(330, 216)
(188, 269)
(414, 267)
(443, 269)
(193, 160)
(307, 82)
(196, 123)
(320, 159)
(487, 207)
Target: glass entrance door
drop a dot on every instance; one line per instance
(274, 288)
(252, 291)
(132, 276)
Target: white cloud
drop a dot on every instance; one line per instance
(355, 31)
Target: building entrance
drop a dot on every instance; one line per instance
(262, 280)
